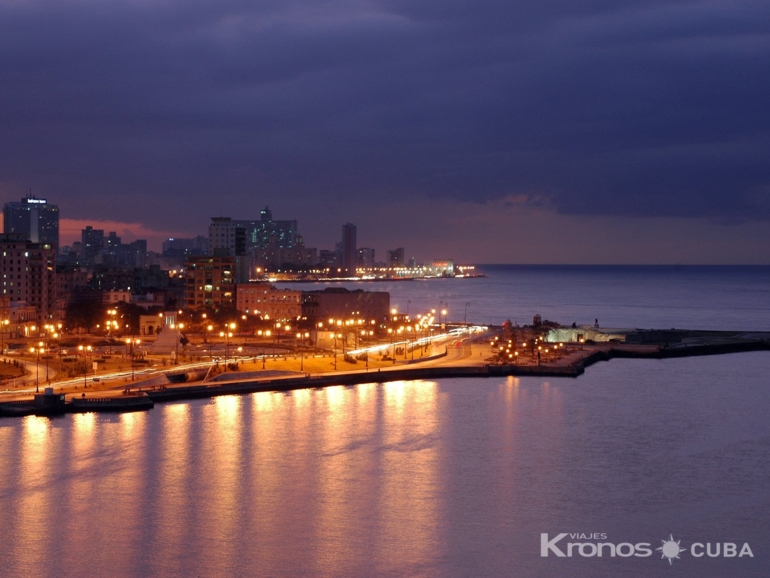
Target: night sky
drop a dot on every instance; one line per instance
(553, 131)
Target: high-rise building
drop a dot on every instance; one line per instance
(29, 273)
(210, 281)
(233, 237)
(349, 253)
(273, 234)
(396, 257)
(328, 259)
(92, 242)
(366, 257)
(34, 219)
(177, 247)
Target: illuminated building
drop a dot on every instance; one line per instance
(92, 243)
(231, 237)
(396, 257)
(210, 281)
(34, 219)
(365, 258)
(29, 273)
(266, 301)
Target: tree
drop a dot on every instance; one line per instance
(85, 314)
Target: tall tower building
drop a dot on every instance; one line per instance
(34, 219)
(349, 253)
(92, 242)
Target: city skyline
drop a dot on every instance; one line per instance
(528, 133)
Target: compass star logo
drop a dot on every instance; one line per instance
(670, 549)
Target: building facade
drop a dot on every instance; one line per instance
(274, 259)
(349, 253)
(91, 243)
(210, 282)
(365, 258)
(396, 257)
(266, 301)
(34, 219)
(29, 274)
(231, 237)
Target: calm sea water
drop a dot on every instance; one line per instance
(447, 478)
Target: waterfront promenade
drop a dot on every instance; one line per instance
(454, 356)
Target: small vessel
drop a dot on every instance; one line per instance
(44, 404)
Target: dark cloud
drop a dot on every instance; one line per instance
(589, 107)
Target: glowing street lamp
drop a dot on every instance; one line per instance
(37, 365)
(85, 350)
(3, 325)
(130, 341)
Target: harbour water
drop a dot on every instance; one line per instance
(447, 478)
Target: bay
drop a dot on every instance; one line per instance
(426, 478)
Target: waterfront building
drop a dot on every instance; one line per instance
(275, 258)
(365, 258)
(328, 259)
(34, 219)
(441, 268)
(348, 253)
(268, 302)
(396, 257)
(210, 281)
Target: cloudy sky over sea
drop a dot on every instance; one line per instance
(581, 131)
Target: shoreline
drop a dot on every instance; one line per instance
(117, 401)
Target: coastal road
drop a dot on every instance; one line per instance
(35, 373)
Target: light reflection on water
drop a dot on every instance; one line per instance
(422, 478)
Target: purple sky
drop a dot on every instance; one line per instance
(553, 131)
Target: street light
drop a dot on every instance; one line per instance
(37, 366)
(85, 351)
(130, 341)
(5, 323)
(41, 345)
(227, 335)
(336, 336)
(465, 317)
